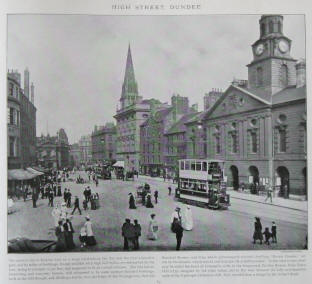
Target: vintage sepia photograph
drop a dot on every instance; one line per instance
(156, 133)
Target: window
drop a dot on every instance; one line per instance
(204, 168)
(259, 77)
(187, 165)
(279, 27)
(234, 142)
(11, 89)
(193, 165)
(218, 145)
(282, 140)
(182, 165)
(284, 76)
(11, 115)
(271, 27)
(254, 147)
(198, 166)
(12, 146)
(262, 29)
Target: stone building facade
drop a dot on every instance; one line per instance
(103, 141)
(85, 146)
(259, 127)
(53, 151)
(21, 122)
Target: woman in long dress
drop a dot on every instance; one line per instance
(90, 236)
(131, 202)
(149, 203)
(187, 221)
(60, 234)
(258, 231)
(56, 213)
(152, 228)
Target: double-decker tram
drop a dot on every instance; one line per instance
(202, 182)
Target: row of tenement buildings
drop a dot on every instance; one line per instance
(258, 126)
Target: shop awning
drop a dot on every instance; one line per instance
(35, 172)
(120, 164)
(20, 174)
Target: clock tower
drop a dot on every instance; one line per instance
(272, 68)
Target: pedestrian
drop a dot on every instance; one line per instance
(152, 228)
(178, 229)
(131, 201)
(34, 198)
(85, 204)
(25, 193)
(56, 214)
(187, 223)
(96, 182)
(54, 189)
(137, 230)
(269, 193)
(128, 233)
(273, 231)
(69, 230)
(59, 190)
(42, 192)
(76, 205)
(258, 231)
(143, 197)
(90, 236)
(83, 236)
(64, 211)
(156, 196)
(69, 195)
(169, 189)
(65, 195)
(149, 203)
(176, 217)
(267, 236)
(51, 197)
(60, 234)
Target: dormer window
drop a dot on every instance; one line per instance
(270, 27)
(279, 27)
(262, 29)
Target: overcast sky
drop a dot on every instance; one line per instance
(77, 63)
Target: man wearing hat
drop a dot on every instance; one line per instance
(176, 218)
(76, 205)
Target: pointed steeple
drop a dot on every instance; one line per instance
(129, 87)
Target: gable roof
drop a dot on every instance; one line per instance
(180, 126)
(288, 94)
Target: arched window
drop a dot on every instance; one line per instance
(262, 29)
(259, 78)
(271, 27)
(284, 76)
(279, 27)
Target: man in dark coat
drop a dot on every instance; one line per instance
(59, 190)
(258, 231)
(179, 234)
(137, 229)
(51, 197)
(65, 195)
(156, 196)
(169, 190)
(128, 233)
(131, 202)
(76, 205)
(69, 195)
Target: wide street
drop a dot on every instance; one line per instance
(213, 230)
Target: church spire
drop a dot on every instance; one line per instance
(129, 87)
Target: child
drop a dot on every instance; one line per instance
(83, 236)
(273, 230)
(85, 204)
(267, 235)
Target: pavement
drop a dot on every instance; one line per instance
(277, 201)
(230, 229)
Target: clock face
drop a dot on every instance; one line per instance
(283, 46)
(259, 49)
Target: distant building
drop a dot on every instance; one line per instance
(152, 134)
(176, 144)
(21, 123)
(132, 113)
(74, 155)
(53, 151)
(211, 97)
(103, 141)
(85, 146)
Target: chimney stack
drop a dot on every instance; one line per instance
(26, 83)
(301, 73)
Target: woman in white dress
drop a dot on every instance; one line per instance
(187, 221)
(152, 228)
(90, 241)
(56, 213)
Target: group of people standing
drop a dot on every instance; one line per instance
(258, 234)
